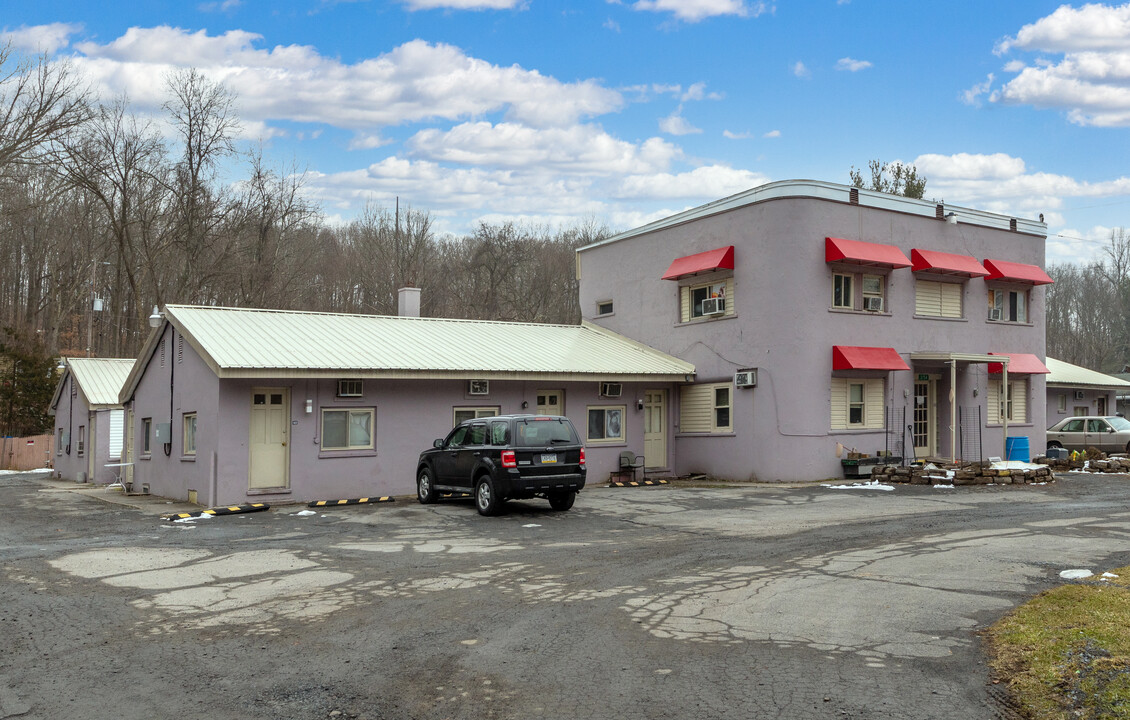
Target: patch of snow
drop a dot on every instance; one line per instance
(873, 485)
(950, 487)
(532, 525)
(305, 512)
(1075, 574)
(1109, 575)
(1016, 465)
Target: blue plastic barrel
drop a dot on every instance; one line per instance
(1016, 448)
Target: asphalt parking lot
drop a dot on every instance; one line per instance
(666, 602)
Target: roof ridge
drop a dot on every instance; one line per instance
(324, 313)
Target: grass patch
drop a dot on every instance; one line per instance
(1066, 653)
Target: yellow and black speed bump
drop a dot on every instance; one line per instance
(351, 501)
(226, 510)
(639, 483)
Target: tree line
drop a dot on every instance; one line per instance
(106, 212)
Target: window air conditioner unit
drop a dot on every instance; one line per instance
(746, 378)
(713, 306)
(873, 304)
(1078, 394)
(478, 387)
(995, 314)
(610, 389)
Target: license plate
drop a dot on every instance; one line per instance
(547, 459)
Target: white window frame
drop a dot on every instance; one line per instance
(600, 304)
(607, 439)
(81, 445)
(59, 441)
(847, 295)
(1001, 299)
(860, 404)
(479, 412)
(350, 412)
(350, 388)
(716, 407)
(1062, 403)
(715, 289)
(188, 437)
(147, 436)
(880, 293)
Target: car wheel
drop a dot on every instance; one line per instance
(486, 501)
(1054, 444)
(425, 488)
(562, 500)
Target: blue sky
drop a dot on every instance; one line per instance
(628, 111)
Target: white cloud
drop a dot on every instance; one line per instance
(800, 70)
(970, 96)
(676, 124)
(695, 10)
(612, 25)
(709, 182)
(413, 82)
(464, 4)
(852, 65)
(219, 6)
(41, 38)
(772, 134)
(1091, 27)
(581, 149)
(970, 166)
(736, 135)
(1091, 82)
(367, 141)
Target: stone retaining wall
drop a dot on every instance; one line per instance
(1115, 464)
(962, 474)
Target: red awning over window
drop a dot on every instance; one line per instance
(1016, 272)
(848, 357)
(858, 252)
(946, 263)
(720, 259)
(1026, 363)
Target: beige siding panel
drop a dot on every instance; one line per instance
(684, 304)
(993, 400)
(729, 296)
(696, 407)
(927, 298)
(873, 398)
(1019, 400)
(951, 299)
(839, 404)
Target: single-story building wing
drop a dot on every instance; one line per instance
(89, 418)
(229, 405)
(1074, 390)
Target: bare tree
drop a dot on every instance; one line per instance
(40, 101)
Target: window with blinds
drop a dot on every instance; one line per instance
(937, 299)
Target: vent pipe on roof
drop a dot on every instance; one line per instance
(408, 304)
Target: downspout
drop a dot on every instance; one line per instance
(1004, 415)
(953, 411)
(172, 373)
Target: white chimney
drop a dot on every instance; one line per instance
(408, 304)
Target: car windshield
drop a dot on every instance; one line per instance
(537, 432)
(1119, 423)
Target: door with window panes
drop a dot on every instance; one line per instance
(550, 402)
(925, 416)
(655, 428)
(268, 434)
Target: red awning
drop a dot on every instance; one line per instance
(858, 252)
(720, 259)
(1026, 363)
(946, 263)
(1016, 272)
(848, 357)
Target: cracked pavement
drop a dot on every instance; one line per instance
(665, 602)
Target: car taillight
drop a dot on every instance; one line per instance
(582, 456)
(509, 459)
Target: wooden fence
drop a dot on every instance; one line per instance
(26, 453)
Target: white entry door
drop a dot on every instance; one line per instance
(268, 436)
(551, 402)
(655, 428)
(925, 416)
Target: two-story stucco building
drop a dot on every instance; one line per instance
(822, 319)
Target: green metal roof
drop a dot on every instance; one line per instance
(1065, 374)
(276, 343)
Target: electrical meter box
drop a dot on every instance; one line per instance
(163, 432)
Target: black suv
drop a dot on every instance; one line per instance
(507, 457)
